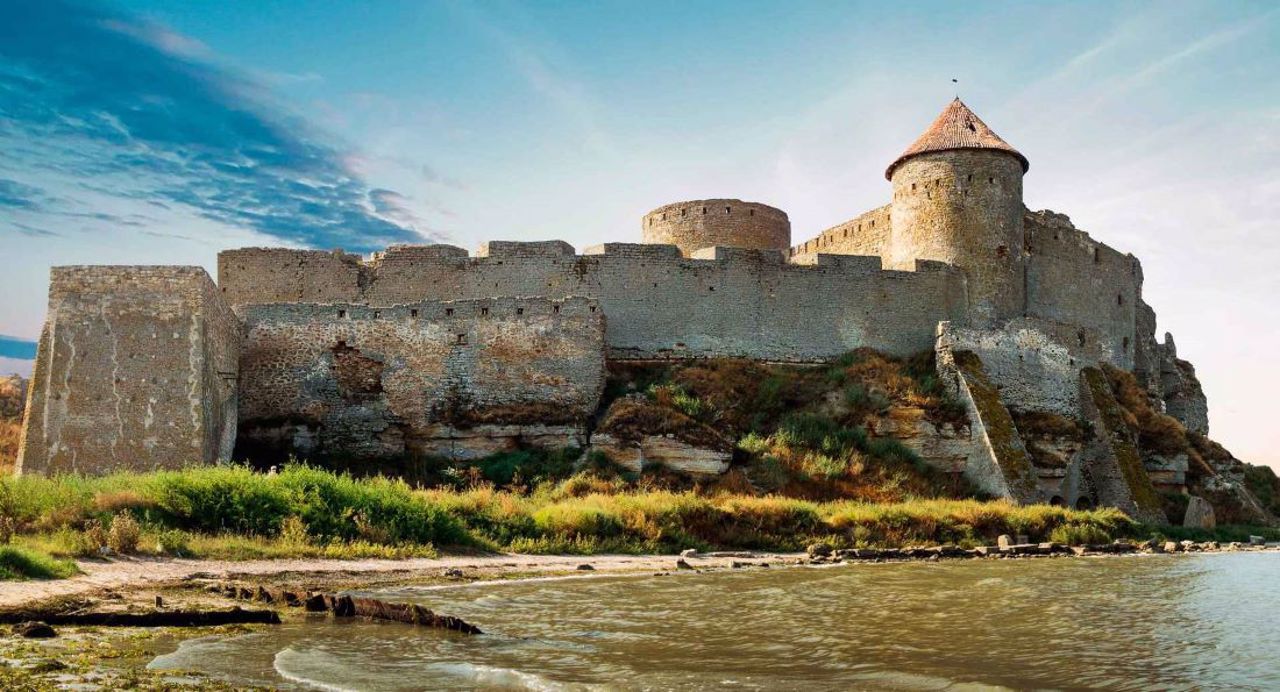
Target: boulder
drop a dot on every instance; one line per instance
(1171, 547)
(689, 552)
(1257, 540)
(819, 550)
(1004, 542)
(1199, 514)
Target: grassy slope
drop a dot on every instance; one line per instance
(227, 511)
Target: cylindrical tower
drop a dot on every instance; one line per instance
(957, 198)
(697, 224)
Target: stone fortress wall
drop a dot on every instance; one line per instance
(430, 350)
(136, 368)
(704, 223)
(348, 379)
(720, 302)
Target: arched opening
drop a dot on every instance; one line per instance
(1057, 501)
(1084, 503)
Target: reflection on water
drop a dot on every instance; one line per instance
(1157, 622)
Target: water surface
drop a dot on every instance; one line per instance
(1151, 622)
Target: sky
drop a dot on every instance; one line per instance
(155, 132)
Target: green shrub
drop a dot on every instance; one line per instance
(1079, 534)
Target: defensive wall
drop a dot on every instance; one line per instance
(1086, 293)
(1082, 293)
(704, 223)
(417, 378)
(867, 234)
(659, 304)
(136, 368)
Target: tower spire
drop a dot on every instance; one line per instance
(957, 127)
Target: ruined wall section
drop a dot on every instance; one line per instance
(1033, 371)
(134, 371)
(1085, 293)
(444, 378)
(866, 234)
(723, 302)
(703, 223)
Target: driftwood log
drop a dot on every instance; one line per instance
(342, 605)
(156, 618)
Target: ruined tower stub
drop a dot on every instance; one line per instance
(703, 223)
(957, 198)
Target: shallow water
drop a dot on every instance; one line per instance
(1151, 622)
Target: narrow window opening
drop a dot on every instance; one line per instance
(462, 338)
(1126, 344)
(913, 187)
(704, 210)
(448, 312)
(712, 288)
(682, 211)
(413, 313)
(484, 312)
(593, 308)
(1119, 299)
(726, 210)
(991, 180)
(1097, 256)
(751, 212)
(555, 309)
(519, 311)
(342, 314)
(376, 314)
(1080, 337)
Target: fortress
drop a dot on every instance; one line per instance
(426, 350)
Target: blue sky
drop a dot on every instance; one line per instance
(162, 132)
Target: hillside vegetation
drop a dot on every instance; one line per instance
(798, 431)
(12, 403)
(235, 512)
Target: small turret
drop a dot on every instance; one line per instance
(957, 198)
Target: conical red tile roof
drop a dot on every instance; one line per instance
(957, 128)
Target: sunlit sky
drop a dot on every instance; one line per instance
(159, 132)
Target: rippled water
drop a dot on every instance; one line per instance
(1157, 622)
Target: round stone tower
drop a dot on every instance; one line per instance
(957, 198)
(701, 223)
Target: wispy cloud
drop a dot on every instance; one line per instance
(146, 113)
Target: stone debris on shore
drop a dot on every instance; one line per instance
(1007, 547)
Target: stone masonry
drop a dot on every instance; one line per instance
(430, 350)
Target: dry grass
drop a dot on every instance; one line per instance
(10, 437)
(632, 419)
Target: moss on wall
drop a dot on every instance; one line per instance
(1117, 435)
(1010, 453)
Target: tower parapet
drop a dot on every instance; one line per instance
(703, 223)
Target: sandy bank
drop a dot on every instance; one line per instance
(143, 573)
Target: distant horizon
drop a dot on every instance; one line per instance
(147, 132)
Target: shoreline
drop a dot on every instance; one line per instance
(122, 575)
